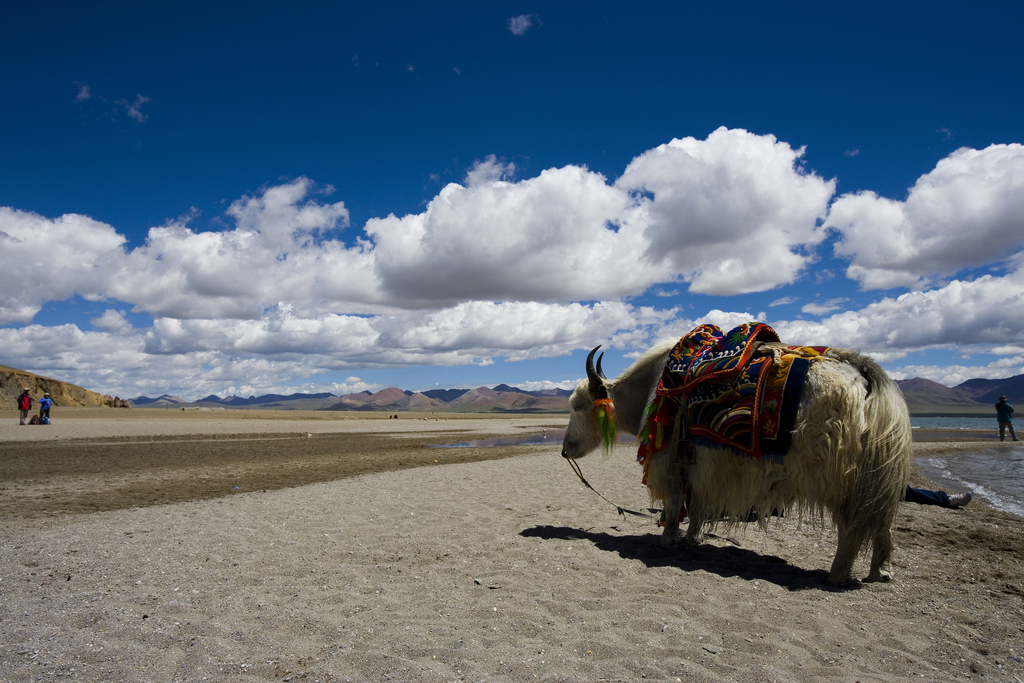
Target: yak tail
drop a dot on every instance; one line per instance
(885, 448)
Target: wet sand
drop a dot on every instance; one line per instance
(955, 435)
(347, 553)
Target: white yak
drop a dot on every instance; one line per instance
(849, 455)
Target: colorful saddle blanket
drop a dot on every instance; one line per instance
(727, 394)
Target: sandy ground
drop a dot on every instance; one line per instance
(347, 553)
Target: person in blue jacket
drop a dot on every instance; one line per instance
(1004, 413)
(45, 403)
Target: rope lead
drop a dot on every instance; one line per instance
(622, 511)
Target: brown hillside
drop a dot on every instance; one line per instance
(927, 392)
(478, 396)
(386, 396)
(484, 397)
(13, 380)
(422, 403)
(927, 398)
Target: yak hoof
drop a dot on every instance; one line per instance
(669, 541)
(841, 579)
(878, 575)
(695, 541)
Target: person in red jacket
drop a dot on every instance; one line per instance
(24, 404)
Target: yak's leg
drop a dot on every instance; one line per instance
(881, 558)
(695, 532)
(846, 552)
(673, 506)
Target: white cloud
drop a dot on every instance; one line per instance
(1007, 350)
(488, 171)
(823, 276)
(281, 250)
(51, 259)
(730, 214)
(195, 357)
(547, 238)
(516, 331)
(278, 335)
(135, 108)
(351, 385)
(967, 212)
(726, 320)
(547, 385)
(112, 321)
(83, 92)
(283, 218)
(520, 24)
(989, 310)
(823, 307)
(784, 301)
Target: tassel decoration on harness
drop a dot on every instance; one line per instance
(603, 416)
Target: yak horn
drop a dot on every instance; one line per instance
(595, 380)
(592, 376)
(600, 372)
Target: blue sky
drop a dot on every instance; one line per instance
(253, 197)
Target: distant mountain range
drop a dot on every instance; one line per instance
(974, 397)
(924, 398)
(501, 398)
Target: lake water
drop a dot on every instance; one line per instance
(987, 423)
(990, 472)
(994, 473)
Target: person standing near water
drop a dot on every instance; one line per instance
(1004, 413)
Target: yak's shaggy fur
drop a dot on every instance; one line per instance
(849, 456)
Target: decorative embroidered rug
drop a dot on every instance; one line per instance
(727, 394)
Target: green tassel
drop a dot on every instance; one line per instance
(604, 418)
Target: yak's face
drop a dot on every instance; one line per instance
(581, 435)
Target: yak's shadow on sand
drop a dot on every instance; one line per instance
(726, 561)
